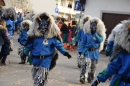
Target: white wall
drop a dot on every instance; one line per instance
(44, 6)
(95, 7)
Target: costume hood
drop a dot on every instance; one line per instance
(13, 16)
(81, 24)
(123, 37)
(27, 21)
(53, 30)
(111, 37)
(101, 30)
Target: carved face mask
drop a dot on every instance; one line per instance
(26, 26)
(93, 27)
(43, 26)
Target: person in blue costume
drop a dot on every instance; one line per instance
(10, 18)
(111, 37)
(120, 62)
(18, 22)
(79, 38)
(93, 42)
(24, 36)
(43, 42)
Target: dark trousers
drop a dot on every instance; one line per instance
(3, 58)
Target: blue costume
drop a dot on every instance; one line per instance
(120, 62)
(43, 40)
(79, 38)
(10, 25)
(91, 42)
(18, 22)
(23, 37)
(91, 48)
(118, 66)
(39, 49)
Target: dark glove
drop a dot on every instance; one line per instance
(107, 53)
(76, 44)
(18, 40)
(67, 54)
(95, 83)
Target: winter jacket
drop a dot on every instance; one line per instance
(3, 36)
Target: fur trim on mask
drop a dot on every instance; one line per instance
(27, 21)
(53, 30)
(101, 30)
(2, 28)
(111, 37)
(14, 18)
(122, 38)
(81, 25)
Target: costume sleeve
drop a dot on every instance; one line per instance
(78, 36)
(20, 37)
(111, 69)
(99, 38)
(59, 46)
(27, 49)
(109, 48)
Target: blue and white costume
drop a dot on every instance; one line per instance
(45, 39)
(23, 38)
(119, 67)
(110, 45)
(79, 38)
(93, 42)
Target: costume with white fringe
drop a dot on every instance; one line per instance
(44, 37)
(93, 42)
(111, 37)
(18, 22)
(119, 67)
(9, 15)
(79, 38)
(23, 38)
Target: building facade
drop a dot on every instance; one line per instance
(110, 11)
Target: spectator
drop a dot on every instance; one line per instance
(65, 32)
(5, 42)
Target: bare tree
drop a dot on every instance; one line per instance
(26, 5)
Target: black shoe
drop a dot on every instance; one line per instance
(21, 62)
(3, 64)
(82, 80)
(89, 81)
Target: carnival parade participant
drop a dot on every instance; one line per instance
(111, 37)
(119, 67)
(25, 25)
(93, 43)
(44, 39)
(79, 38)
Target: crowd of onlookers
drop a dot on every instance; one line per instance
(5, 37)
(68, 30)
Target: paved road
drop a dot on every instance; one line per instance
(64, 74)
